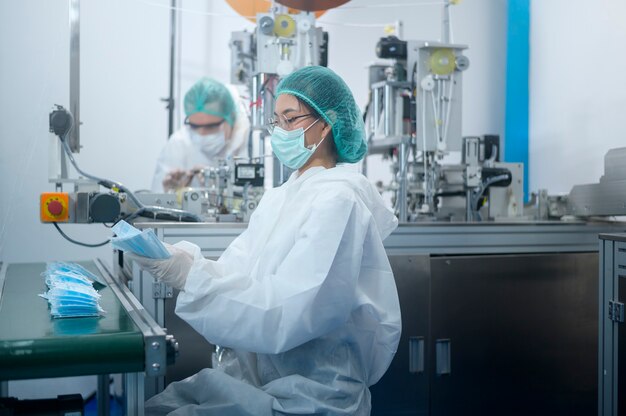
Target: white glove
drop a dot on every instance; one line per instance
(172, 271)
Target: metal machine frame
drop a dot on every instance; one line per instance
(612, 326)
(427, 259)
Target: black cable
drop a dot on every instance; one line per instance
(71, 240)
(116, 186)
(486, 184)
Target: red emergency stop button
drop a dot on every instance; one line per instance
(55, 208)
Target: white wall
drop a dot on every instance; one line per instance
(577, 93)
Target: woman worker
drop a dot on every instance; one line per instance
(304, 299)
(216, 127)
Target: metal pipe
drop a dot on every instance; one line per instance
(264, 96)
(388, 110)
(402, 186)
(103, 395)
(74, 20)
(469, 210)
(258, 96)
(170, 99)
(376, 109)
(445, 23)
(254, 97)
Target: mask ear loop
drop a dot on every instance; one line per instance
(314, 146)
(311, 125)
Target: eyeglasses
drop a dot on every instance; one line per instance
(209, 126)
(284, 122)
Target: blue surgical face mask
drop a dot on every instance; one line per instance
(288, 145)
(74, 311)
(70, 291)
(143, 243)
(73, 270)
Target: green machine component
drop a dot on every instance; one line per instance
(34, 345)
(125, 340)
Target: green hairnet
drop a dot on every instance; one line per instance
(210, 97)
(329, 95)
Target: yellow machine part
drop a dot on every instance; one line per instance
(250, 8)
(284, 26)
(442, 61)
(53, 207)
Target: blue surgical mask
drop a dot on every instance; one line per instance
(288, 145)
(74, 311)
(57, 267)
(59, 278)
(70, 291)
(143, 243)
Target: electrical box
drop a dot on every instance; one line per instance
(80, 207)
(249, 173)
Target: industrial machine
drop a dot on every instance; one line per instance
(229, 192)
(605, 198)
(282, 41)
(87, 203)
(126, 340)
(414, 118)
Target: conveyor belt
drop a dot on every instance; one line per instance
(34, 345)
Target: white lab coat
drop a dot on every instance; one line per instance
(306, 299)
(180, 153)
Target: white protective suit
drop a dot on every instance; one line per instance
(180, 153)
(306, 299)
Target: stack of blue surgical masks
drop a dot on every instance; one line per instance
(143, 243)
(70, 291)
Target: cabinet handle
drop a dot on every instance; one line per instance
(442, 356)
(416, 355)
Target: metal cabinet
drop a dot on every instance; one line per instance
(497, 318)
(503, 334)
(404, 387)
(519, 334)
(612, 328)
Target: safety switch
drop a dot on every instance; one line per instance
(54, 207)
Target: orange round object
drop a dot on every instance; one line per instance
(250, 8)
